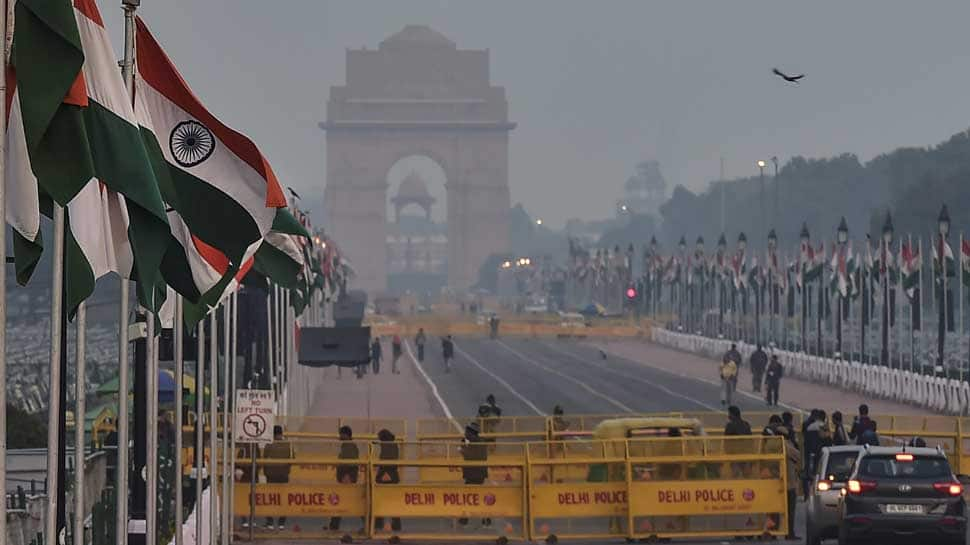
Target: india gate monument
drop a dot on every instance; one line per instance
(417, 94)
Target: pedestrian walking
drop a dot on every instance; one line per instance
(419, 341)
(734, 355)
(279, 449)
(447, 352)
(759, 362)
(387, 474)
(396, 350)
(376, 353)
(773, 376)
(729, 374)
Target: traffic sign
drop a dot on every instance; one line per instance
(254, 418)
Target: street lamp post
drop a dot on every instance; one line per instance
(944, 224)
(806, 241)
(682, 245)
(777, 190)
(742, 246)
(761, 169)
(887, 240)
(772, 299)
(698, 309)
(721, 252)
(656, 281)
(843, 238)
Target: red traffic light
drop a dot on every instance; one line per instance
(631, 293)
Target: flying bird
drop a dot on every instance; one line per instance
(294, 193)
(786, 77)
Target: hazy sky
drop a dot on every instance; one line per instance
(597, 86)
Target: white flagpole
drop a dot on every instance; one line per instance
(79, 410)
(959, 278)
(213, 426)
(199, 425)
(121, 490)
(224, 473)
(54, 403)
(231, 401)
(269, 336)
(922, 296)
(151, 441)
(4, 21)
(179, 342)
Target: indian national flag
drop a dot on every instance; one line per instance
(911, 263)
(940, 246)
(85, 151)
(281, 256)
(215, 179)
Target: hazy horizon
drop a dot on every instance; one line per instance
(597, 87)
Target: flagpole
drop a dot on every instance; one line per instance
(79, 410)
(213, 425)
(922, 369)
(943, 314)
(178, 342)
(121, 490)
(54, 413)
(4, 21)
(231, 401)
(224, 473)
(199, 425)
(960, 288)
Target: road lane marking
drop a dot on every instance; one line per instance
(580, 383)
(501, 381)
(433, 386)
(636, 378)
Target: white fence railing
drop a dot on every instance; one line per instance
(939, 394)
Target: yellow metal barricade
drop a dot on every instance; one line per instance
(294, 497)
(481, 504)
(706, 487)
(577, 490)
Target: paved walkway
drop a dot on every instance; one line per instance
(386, 395)
(795, 393)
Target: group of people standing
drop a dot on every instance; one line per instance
(763, 372)
(397, 350)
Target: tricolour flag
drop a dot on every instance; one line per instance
(965, 261)
(911, 264)
(98, 169)
(215, 179)
(281, 256)
(940, 245)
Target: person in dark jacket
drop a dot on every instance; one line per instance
(387, 474)
(863, 427)
(397, 349)
(278, 449)
(735, 424)
(817, 436)
(474, 448)
(839, 435)
(346, 473)
(759, 362)
(419, 341)
(773, 377)
(376, 353)
(734, 355)
(447, 352)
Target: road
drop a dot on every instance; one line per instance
(531, 376)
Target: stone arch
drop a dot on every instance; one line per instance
(418, 94)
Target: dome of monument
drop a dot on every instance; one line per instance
(420, 35)
(413, 188)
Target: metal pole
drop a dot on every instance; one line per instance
(151, 431)
(3, 277)
(121, 490)
(943, 314)
(226, 476)
(55, 412)
(199, 425)
(269, 339)
(79, 410)
(231, 403)
(178, 332)
(722, 193)
(213, 426)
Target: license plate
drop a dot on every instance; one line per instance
(904, 509)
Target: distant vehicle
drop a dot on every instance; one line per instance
(902, 494)
(824, 501)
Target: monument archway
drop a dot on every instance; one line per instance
(417, 94)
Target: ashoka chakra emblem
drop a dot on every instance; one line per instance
(191, 143)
